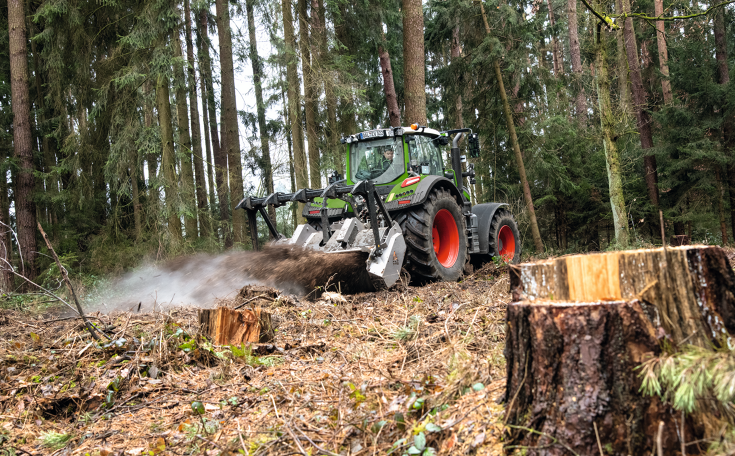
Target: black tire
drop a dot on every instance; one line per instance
(417, 224)
(503, 218)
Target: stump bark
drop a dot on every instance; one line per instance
(578, 328)
(226, 326)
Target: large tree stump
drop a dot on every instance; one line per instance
(226, 326)
(579, 327)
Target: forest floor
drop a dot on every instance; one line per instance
(414, 370)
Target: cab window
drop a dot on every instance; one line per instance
(425, 155)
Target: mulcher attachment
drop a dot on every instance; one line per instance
(379, 235)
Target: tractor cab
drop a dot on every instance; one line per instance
(389, 156)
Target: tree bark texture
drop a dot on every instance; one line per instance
(612, 155)
(391, 99)
(579, 326)
(6, 277)
(414, 63)
(220, 155)
(196, 132)
(151, 159)
(266, 165)
(310, 101)
(25, 209)
(576, 57)
(168, 159)
(643, 119)
(188, 194)
(229, 120)
(622, 68)
(555, 48)
(292, 82)
(516, 147)
(332, 149)
(663, 54)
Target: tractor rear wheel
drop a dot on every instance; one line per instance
(436, 239)
(504, 239)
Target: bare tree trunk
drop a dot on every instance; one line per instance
(187, 173)
(196, 132)
(556, 49)
(25, 209)
(663, 55)
(218, 161)
(333, 149)
(292, 83)
(643, 119)
(391, 99)
(612, 156)
(264, 138)
(229, 119)
(581, 99)
(136, 196)
(151, 162)
(347, 122)
(414, 63)
(6, 277)
(289, 141)
(516, 147)
(168, 161)
(622, 68)
(310, 105)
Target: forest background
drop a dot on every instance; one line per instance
(124, 134)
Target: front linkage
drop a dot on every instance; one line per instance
(382, 240)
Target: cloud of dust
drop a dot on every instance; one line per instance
(199, 281)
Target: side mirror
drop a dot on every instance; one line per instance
(474, 145)
(442, 140)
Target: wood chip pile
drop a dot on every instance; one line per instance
(416, 368)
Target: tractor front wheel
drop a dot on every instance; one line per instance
(436, 240)
(504, 239)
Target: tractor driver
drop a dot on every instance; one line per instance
(384, 162)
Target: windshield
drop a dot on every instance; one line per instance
(380, 160)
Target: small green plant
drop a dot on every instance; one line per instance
(408, 332)
(54, 440)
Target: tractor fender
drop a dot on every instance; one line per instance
(485, 213)
(429, 183)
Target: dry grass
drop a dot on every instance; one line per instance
(354, 374)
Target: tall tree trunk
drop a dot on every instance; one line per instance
(168, 159)
(151, 160)
(310, 105)
(266, 165)
(207, 108)
(516, 147)
(185, 158)
(25, 209)
(728, 129)
(292, 84)
(622, 68)
(327, 70)
(219, 152)
(643, 119)
(391, 99)
(555, 48)
(612, 155)
(456, 51)
(663, 55)
(414, 63)
(581, 99)
(229, 119)
(136, 196)
(6, 277)
(291, 173)
(196, 132)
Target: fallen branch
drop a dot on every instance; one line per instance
(65, 276)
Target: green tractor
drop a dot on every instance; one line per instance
(402, 206)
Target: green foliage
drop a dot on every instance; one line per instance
(54, 440)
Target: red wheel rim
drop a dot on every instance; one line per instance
(445, 236)
(506, 243)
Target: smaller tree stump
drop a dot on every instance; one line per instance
(226, 326)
